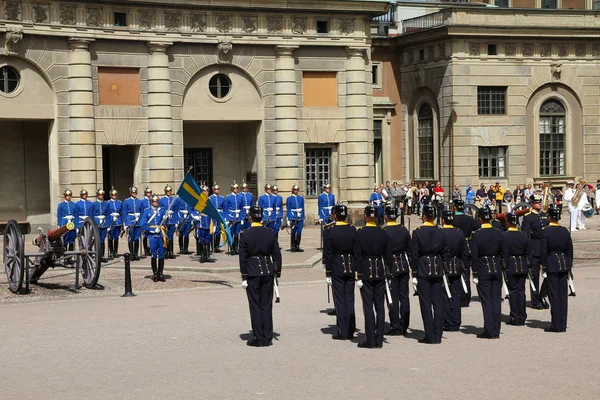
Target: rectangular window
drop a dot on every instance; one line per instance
(119, 86)
(120, 19)
(492, 162)
(492, 50)
(421, 54)
(378, 149)
(552, 4)
(318, 170)
(552, 145)
(377, 128)
(596, 5)
(491, 100)
(319, 89)
(322, 26)
(501, 3)
(376, 72)
(201, 162)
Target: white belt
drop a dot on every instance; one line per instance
(270, 209)
(297, 210)
(246, 208)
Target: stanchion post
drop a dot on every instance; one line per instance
(128, 289)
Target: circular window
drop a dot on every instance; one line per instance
(219, 86)
(9, 79)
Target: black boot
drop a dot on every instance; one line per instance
(293, 243)
(186, 245)
(154, 270)
(298, 239)
(161, 267)
(110, 249)
(130, 247)
(116, 247)
(146, 248)
(102, 249)
(180, 244)
(199, 248)
(136, 250)
(203, 253)
(207, 252)
(171, 252)
(217, 243)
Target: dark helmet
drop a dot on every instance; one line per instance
(459, 205)
(429, 211)
(448, 216)
(484, 213)
(370, 211)
(391, 212)
(554, 213)
(256, 213)
(512, 219)
(535, 198)
(340, 210)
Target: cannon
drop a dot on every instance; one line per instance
(25, 267)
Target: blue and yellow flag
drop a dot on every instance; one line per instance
(190, 192)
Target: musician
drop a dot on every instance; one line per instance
(370, 244)
(115, 206)
(486, 250)
(532, 225)
(454, 266)
(467, 225)
(132, 210)
(376, 200)
(152, 221)
(428, 251)
(338, 251)
(101, 215)
(170, 206)
(233, 211)
(294, 206)
(146, 204)
(557, 260)
(260, 260)
(515, 263)
(68, 212)
(202, 224)
(398, 270)
(575, 209)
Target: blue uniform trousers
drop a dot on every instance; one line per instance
(157, 247)
(134, 233)
(69, 237)
(203, 236)
(103, 232)
(297, 227)
(170, 231)
(114, 232)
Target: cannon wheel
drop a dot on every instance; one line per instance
(14, 256)
(471, 210)
(89, 245)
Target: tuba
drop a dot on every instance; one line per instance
(578, 192)
(547, 197)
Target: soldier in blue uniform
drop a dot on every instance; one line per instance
(338, 252)
(556, 256)
(146, 204)
(486, 251)
(170, 207)
(116, 221)
(267, 203)
(84, 207)
(219, 203)
(515, 262)
(294, 205)
(429, 251)
(376, 200)
(132, 211)
(184, 225)
(233, 215)
(260, 260)
(399, 273)
(325, 203)
(101, 215)
(202, 224)
(467, 225)
(68, 212)
(278, 210)
(533, 223)
(152, 222)
(247, 201)
(370, 249)
(458, 254)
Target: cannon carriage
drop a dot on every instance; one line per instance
(22, 267)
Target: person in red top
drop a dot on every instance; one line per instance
(439, 199)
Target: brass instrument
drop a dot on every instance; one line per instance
(547, 197)
(578, 192)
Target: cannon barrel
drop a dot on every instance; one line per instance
(55, 234)
(518, 213)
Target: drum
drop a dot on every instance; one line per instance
(587, 211)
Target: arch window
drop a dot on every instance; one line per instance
(552, 138)
(425, 137)
(219, 86)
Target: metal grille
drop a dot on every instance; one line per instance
(201, 162)
(492, 162)
(318, 170)
(425, 133)
(549, 4)
(552, 138)
(9, 79)
(491, 100)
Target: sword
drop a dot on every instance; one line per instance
(533, 288)
(445, 279)
(416, 293)
(504, 287)
(464, 284)
(275, 284)
(571, 284)
(387, 283)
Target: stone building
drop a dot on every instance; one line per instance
(100, 94)
(482, 94)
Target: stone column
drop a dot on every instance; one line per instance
(359, 176)
(78, 169)
(286, 148)
(160, 126)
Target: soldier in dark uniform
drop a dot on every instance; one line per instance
(556, 256)
(515, 262)
(428, 251)
(486, 249)
(467, 225)
(399, 272)
(338, 249)
(370, 246)
(458, 254)
(533, 223)
(496, 223)
(260, 260)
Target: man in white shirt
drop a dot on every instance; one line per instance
(577, 219)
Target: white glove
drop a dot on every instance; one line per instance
(246, 208)
(156, 230)
(320, 220)
(328, 281)
(475, 281)
(544, 275)
(164, 218)
(170, 212)
(184, 212)
(415, 281)
(197, 217)
(289, 223)
(244, 284)
(359, 283)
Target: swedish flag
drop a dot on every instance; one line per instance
(190, 192)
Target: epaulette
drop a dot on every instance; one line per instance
(527, 214)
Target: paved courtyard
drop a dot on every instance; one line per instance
(185, 339)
